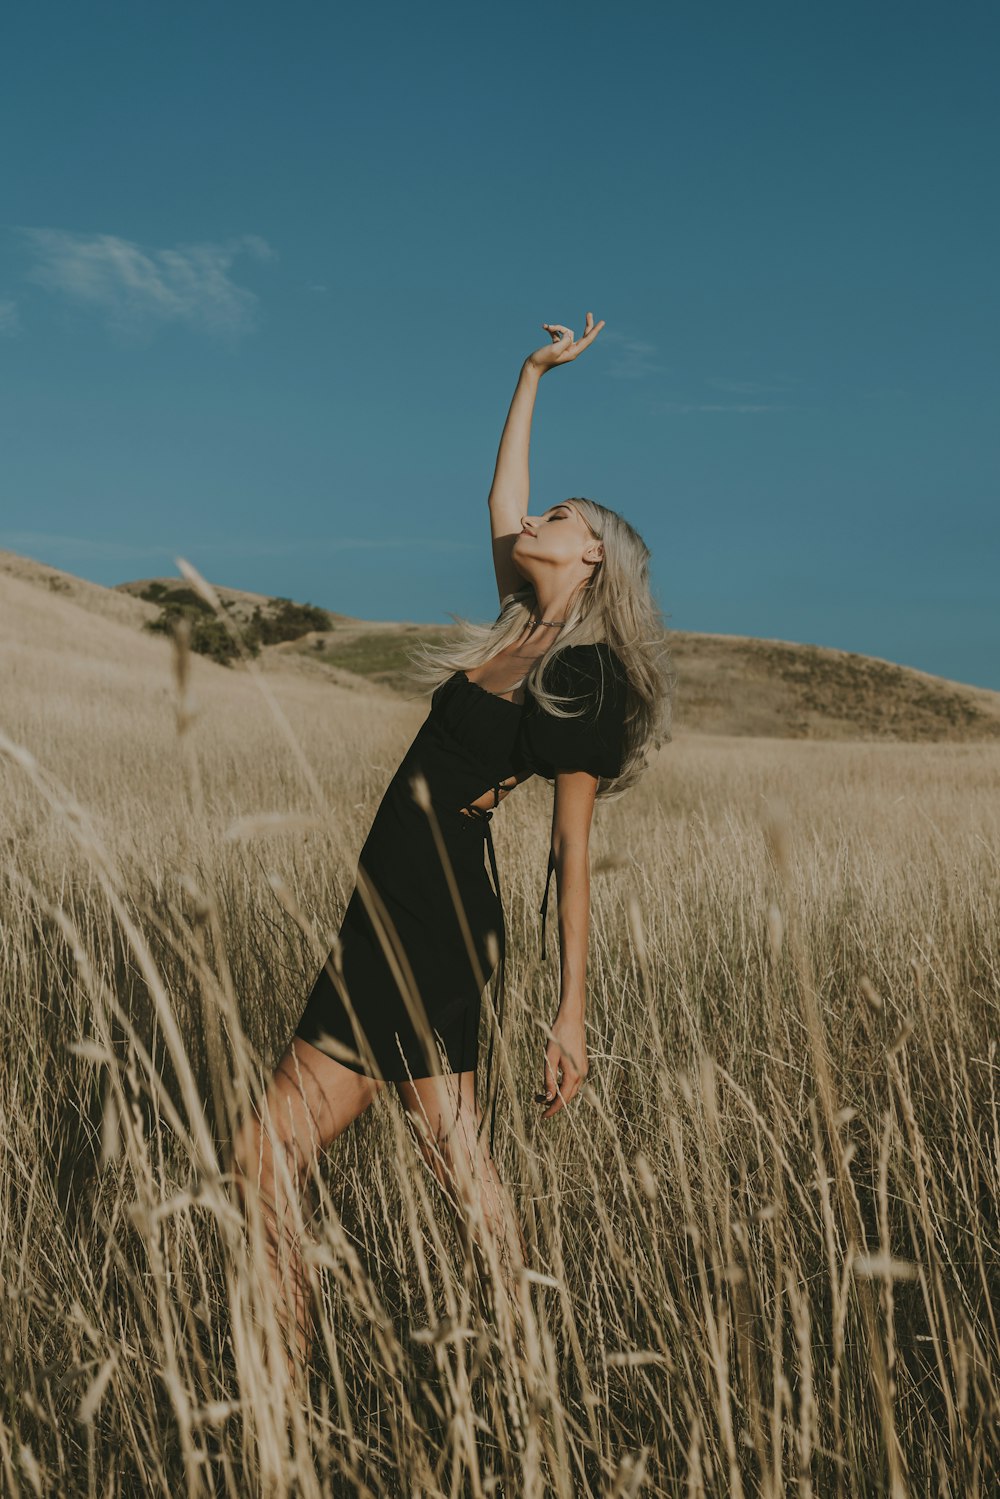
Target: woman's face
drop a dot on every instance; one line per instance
(559, 535)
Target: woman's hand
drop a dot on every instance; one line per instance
(566, 1063)
(564, 346)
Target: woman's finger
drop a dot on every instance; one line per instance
(559, 1094)
(553, 1066)
(555, 1098)
(566, 1090)
(592, 333)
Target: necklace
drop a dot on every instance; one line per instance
(535, 621)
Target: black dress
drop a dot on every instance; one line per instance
(470, 740)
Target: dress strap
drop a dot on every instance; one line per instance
(499, 985)
(543, 908)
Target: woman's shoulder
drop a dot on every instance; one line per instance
(590, 679)
(592, 650)
(594, 660)
(592, 676)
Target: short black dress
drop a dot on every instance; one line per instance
(427, 954)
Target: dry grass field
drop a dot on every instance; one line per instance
(765, 1240)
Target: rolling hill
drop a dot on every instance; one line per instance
(726, 684)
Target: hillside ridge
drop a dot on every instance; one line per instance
(734, 685)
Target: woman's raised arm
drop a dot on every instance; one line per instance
(511, 482)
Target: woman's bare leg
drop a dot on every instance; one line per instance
(446, 1118)
(310, 1100)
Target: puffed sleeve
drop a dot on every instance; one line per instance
(595, 741)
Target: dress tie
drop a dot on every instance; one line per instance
(499, 983)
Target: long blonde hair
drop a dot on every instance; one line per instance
(613, 604)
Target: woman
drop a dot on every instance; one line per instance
(570, 682)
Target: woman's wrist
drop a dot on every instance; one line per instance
(572, 1004)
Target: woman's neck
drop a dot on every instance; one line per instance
(553, 608)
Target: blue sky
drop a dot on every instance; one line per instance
(267, 275)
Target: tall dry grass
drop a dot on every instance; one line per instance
(764, 1240)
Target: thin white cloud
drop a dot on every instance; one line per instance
(92, 549)
(747, 387)
(139, 289)
(82, 547)
(633, 358)
(9, 320)
(720, 406)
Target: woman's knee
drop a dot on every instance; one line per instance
(310, 1099)
(458, 1153)
(265, 1147)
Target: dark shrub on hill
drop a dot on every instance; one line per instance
(160, 593)
(209, 636)
(288, 622)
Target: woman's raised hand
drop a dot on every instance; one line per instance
(565, 345)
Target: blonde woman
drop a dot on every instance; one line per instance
(570, 682)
